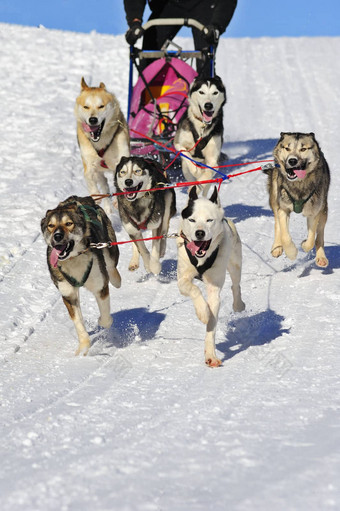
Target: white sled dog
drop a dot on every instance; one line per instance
(103, 136)
(68, 231)
(208, 246)
(299, 183)
(200, 131)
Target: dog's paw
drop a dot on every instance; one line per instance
(306, 247)
(133, 266)
(239, 306)
(155, 266)
(276, 251)
(105, 322)
(322, 262)
(83, 347)
(212, 361)
(321, 259)
(291, 251)
(202, 310)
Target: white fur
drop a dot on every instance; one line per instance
(184, 139)
(208, 216)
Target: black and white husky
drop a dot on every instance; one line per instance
(208, 246)
(200, 131)
(140, 209)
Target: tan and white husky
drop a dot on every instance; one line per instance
(103, 136)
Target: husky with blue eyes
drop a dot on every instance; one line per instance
(141, 209)
(208, 247)
(200, 131)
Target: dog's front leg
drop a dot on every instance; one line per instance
(187, 288)
(104, 185)
(316, 226)
(321, 259)
(213, 296)
(134, 261)
(155, 265)
(103, 301)
(142, 250)
(211, 155)
(287, 243)
(73, 306)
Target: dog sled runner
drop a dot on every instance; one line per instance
(158, 99)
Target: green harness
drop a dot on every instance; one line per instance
(298, 203)
(74, 282)
(97, 221)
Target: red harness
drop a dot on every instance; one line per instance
(101, 153)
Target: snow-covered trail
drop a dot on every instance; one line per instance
(141, 424)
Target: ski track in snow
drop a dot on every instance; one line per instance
(141, 424)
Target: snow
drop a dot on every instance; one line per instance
(141, 424)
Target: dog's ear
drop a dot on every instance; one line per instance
(214, 197)
(193, 193)
(311, 134)
(102, 85)
(43, 223)
(123, 160)
(83, 84)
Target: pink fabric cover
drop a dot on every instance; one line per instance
(170, 91)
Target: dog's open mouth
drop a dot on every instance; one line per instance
(132, 192)
(60, 253)
(296, 172)
(95, 131)
(198, 248)
(207, 115)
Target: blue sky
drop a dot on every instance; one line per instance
(252, 18)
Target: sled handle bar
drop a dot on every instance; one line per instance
(184, 22)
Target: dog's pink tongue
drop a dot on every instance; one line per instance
(207, 116)
(300, 173)
(54, 257)
(88, 128)
(193, 247)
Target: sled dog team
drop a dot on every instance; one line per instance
(208, 243)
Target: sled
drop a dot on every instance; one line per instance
(158, 99)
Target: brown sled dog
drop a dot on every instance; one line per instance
(68, 231)
(299, 183)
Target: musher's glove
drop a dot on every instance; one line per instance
(134, 33)
(211, 34)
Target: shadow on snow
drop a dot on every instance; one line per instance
(257, 330)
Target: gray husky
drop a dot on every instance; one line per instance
(299, 183)
(200, 131)
(68, 231)
(140, 209)
(208, 247)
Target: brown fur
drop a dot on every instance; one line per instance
(308, 195)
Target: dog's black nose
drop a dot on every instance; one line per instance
(58, 236)
(128, 182)
(292, 161)
(199, 234)
(208, 107)
(93, 120)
